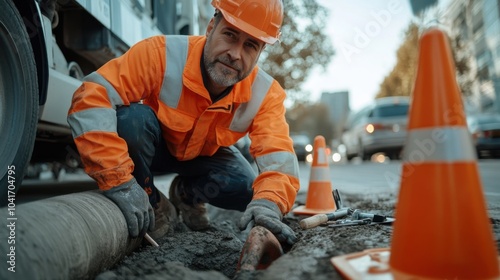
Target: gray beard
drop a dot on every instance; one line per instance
(220, 78)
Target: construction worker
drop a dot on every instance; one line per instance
(177, 104)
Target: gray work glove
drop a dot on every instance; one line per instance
(267, 214)
(134, 203)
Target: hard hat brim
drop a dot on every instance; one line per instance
(249, 29)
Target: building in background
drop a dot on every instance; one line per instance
(206, 12)
(338, 105)
(477, 23)
(419, 6)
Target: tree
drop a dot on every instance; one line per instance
(304, 45)
(400, 80)
(462, 56)
(311, 119)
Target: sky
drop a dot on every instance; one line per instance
(365, 35)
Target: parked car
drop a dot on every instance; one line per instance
(378, 127)
(485, 131)
(302, 145)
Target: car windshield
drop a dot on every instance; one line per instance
(488, 119)
(391, 110)
(300, 139)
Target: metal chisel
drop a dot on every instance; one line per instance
(319, 219)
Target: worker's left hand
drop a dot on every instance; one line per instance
(267, 214)
(134, 204)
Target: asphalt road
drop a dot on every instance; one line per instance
(353, 177)
(370, 177)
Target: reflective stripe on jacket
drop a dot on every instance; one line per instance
(150, 72)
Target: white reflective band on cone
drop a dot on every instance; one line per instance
(439, 144)
(322, 156)
(320, 174)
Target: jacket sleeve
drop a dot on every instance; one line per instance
(272, 147)
(129, 78)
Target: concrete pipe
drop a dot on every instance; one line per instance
(73, 236)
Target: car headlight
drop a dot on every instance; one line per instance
(336, 157)
(309, 158)
(309, 148)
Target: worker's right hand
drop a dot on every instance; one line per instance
(267, 214)
(134, 204)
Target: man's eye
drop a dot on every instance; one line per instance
(251, 45)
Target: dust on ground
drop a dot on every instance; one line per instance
(214, 254)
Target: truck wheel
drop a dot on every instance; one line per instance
(18, 101)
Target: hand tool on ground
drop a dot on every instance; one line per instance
(358, 215)
(337, 199)
(319, 219)
(151, 240)
(344, 223)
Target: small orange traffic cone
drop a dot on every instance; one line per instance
(441, 228)
(319, 194)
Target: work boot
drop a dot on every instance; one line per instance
(165, 217)
(194, 215)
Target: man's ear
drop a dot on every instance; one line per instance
(210, 26)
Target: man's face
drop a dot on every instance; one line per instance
(229, 54)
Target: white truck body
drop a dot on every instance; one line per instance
(48, 47)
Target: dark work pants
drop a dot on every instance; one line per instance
(223, 180)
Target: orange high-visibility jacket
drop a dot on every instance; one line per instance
(164, 73)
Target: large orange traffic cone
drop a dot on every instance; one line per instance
(319, 194)
(441, 228)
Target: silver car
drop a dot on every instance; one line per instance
(485, 131)
(378, 127)
(301, 145)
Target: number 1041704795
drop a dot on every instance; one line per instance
(11, 180)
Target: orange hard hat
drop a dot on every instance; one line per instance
(261, 19)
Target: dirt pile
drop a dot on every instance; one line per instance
(214, 254)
